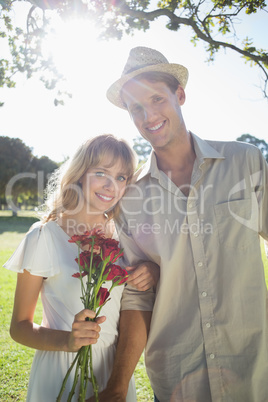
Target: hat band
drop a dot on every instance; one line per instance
(138, 68)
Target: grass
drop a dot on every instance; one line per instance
(265, 263)
(15, 359)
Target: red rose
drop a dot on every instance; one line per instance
(75, 239)
(96, 257)
(110, 249)
(94, 236)
(78, 274)
(102, 295)
(84, 259)
(115, 273)
(123, 275)
(97, 260)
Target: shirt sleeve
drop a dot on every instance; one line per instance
(133, 299)
(34, 253)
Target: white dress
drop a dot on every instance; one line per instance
(46, 252)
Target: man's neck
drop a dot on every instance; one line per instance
(177, 156)
(177, 162)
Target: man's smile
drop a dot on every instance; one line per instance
(156, 127)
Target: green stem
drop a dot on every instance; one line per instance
(92, 376)
(75, 380)
(100, 282)
(80, 270)
(91, 259)
(90, 274)
(66, 377)
(83, 380)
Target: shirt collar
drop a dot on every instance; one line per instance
(202, 149)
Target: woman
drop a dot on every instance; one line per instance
(81, 196)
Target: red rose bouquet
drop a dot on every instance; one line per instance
(96, 259)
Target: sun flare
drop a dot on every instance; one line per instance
(73, 47)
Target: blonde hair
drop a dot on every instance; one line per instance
(64, 190)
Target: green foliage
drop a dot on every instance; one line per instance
(171, 5)
(143, 386)
(25, 47)
(265, 263)
(211, 21)
(22, 175)
(15, 157)
(142, 148)
(15, 359)
(261, 144)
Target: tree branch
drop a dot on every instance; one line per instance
(152, 15)
(118, 16)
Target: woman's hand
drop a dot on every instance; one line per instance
(84, 332)
(144, 275)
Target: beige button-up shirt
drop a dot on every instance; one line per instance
(208, 339)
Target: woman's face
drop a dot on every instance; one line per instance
(104, 185)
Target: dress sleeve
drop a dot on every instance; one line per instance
(34, 254)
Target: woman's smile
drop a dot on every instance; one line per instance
(104, 198)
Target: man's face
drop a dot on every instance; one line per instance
(155, 111)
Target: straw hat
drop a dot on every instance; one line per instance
(140, 60)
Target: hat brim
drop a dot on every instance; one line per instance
(177, 70)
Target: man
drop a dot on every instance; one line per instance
(197, 209)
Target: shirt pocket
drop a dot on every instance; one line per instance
(237, 223)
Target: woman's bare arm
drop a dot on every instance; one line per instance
(25, 331)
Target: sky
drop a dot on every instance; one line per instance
(223, 98)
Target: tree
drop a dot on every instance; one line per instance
(142, 148)
(42, 169)
(261, 144)
(15, 157)
(22, 175)
(211, 21)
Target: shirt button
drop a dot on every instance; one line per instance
(191, 205)
(212, 356)
(208, 325)
(200, 264)
(204, 294)
(196, 234)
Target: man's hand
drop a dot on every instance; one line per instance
(133, 331)
(108, 396)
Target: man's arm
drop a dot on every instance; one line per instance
(133, 332)
(135, 319)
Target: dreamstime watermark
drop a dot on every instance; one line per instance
(170, 228)
(153, 200)
(71, 226)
